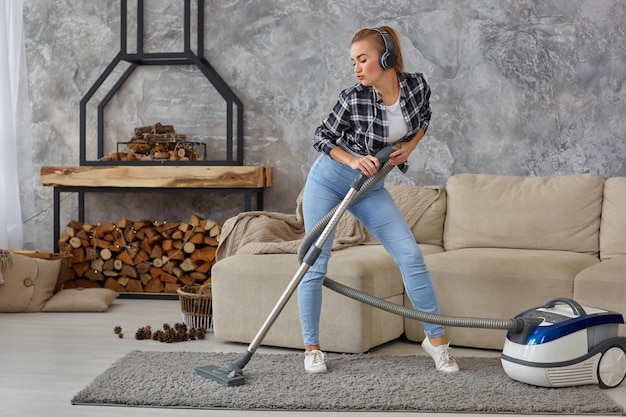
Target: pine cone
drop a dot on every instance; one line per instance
(143, 333)
(192, 333)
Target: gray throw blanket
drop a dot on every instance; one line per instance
(258, 232)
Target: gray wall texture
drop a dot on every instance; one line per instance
(519, 87)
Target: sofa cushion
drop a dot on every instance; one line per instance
(613, 224)
(497, 283)
(246, 287)
(429, 227)
(553, 213)
(603, 285)
(29, 283)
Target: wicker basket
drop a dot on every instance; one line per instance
(195, 302)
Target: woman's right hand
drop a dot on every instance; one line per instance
(368, 165)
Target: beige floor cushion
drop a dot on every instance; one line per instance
(81, 300)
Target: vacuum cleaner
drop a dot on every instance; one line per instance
(522, 329)
(573, 345)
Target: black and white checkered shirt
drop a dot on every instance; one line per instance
(359, 119)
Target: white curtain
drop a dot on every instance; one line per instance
(11, 62)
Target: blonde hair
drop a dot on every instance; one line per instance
(380, 43)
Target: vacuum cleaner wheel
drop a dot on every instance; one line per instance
(612, 367)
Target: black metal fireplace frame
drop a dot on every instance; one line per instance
(234, 140)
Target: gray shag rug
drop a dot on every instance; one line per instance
(364, 382)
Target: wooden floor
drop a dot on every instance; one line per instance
(46, 358)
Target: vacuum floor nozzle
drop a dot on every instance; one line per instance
(229, 376)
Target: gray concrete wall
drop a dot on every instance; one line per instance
(519, 87)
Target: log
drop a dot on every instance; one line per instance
(78, 254)
(145, 278)
(168, 278)
(187, 265)
(109, 265)
(198, 276)
(123, 223)
(105, 254)
(170, 266)
(82, 234)
(75, 225)
(176, 254)
(155, 272)
(98, 264)
(112, 284)
(134, 285)
(189, 247)
(195, 220)
(197, 238)
(94, 275)
(129, 271)
(171, 288)
(187, 280)
(208, 224)
(143, 267)
(156, 252)
(205, 268)
(145, 245)
(91, 254)
(204, 254)
(141, 257)
(126, 257)
(215, 231)
(108, 227)
(81, 267)
(154, 286)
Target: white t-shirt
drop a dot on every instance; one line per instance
(397, 125)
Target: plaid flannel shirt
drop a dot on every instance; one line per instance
(359, 119)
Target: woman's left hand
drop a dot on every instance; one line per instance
(401, 155)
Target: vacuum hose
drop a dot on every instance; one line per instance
(363, 185)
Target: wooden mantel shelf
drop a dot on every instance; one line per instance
(177, 176)
(247, 180)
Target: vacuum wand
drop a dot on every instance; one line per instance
(232, 375)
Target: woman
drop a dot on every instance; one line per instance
(387, 106)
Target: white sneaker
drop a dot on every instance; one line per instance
(315, 362)
(441, 355)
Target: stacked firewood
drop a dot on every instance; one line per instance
(157, 141)
(140, 256)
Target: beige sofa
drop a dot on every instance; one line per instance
(495, 246)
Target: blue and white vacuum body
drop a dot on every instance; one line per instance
(570, 345)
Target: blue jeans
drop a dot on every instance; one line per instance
(327, 184)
